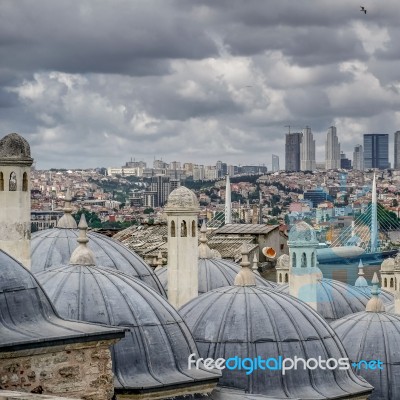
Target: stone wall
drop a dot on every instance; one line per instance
(82, 370)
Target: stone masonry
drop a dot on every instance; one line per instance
(82, 370)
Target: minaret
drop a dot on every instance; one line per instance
(182, 215)
(15, 198)
(397, 285)
(374, 219)
(304, 274)
(282, 269)
(228, 201)
(387, 274)
(67, 221)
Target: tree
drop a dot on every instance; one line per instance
(92, 218)
(148, 210)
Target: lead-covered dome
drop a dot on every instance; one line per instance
(27, 317)
(335, 299)
(251, 321)
(154, 353)
(53, 247)
(302, 232)
(14, 146)
(213, 273)
(182, 198)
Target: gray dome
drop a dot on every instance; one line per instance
(14, 146)
(182, 198)
(385, 296)
(53, 247)
(214, 273)
(27, 317)
(302, 232)
(374, 336)
(335, 299)
(253, 321)
(155, 351)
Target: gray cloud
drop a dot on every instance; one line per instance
(94, 83)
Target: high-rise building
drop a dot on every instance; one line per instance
(358, 158)
(307, 150)
(397, 150)
(376, 151)
(275, 163)
(161, 186)
(332, 149)
(292, 151)
(345, 163)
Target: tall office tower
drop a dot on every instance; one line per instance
(376, 151)
(358, 158)
(307, 150)
(397, 150)
(161, 186)
(292, 151)
(275, 163)
(332, 149)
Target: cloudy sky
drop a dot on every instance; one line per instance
(94, 83)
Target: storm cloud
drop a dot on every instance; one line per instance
(94, 83)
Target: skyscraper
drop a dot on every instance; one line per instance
(292, 151)
(307, 150)
(358, 158)
(397, 150)
(376, 151)
(275, 163)
(332, 149)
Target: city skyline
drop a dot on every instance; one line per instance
(196, 81)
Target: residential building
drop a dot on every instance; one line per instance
(332, 150)
(307, 150)
(376, 151)
(275, 163)
(358, 158)
(397, 150)
(292, 151)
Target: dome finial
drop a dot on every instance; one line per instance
(67, 221)
(204, 249)
(375, 304)
(245, 277)
(82, 255)
(361, 281)
(255, 264)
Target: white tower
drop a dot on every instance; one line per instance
(397, 285)
(182, 214)
(307, 151)
(228, 201)
(15, 198)
(282, 269)
(304, 273)
(388, 274)
(374, 218)
(332, 150)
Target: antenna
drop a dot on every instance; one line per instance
(288, 126)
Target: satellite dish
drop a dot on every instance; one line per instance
(269, 252)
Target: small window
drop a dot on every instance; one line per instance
(25, 182)
(303, 260)
(280, 278)
(286, 278)
(194, 229)
(173, 232)
(294, 260)
(282, 246)
(12, 183)
(183, 229)
(1, 181)
(391, 282)
(385, 283)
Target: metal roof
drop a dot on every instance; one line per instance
(28, 319)
(157, 345)
(214, 273)
(253, 321)
(53, 248)
(229, 247)
(246, 229)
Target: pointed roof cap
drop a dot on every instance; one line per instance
(361, 281)
(67, 221)
(375, 304)
(82, 255)
(245, 277)
(204, 249)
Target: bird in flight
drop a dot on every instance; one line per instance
(363, 9)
